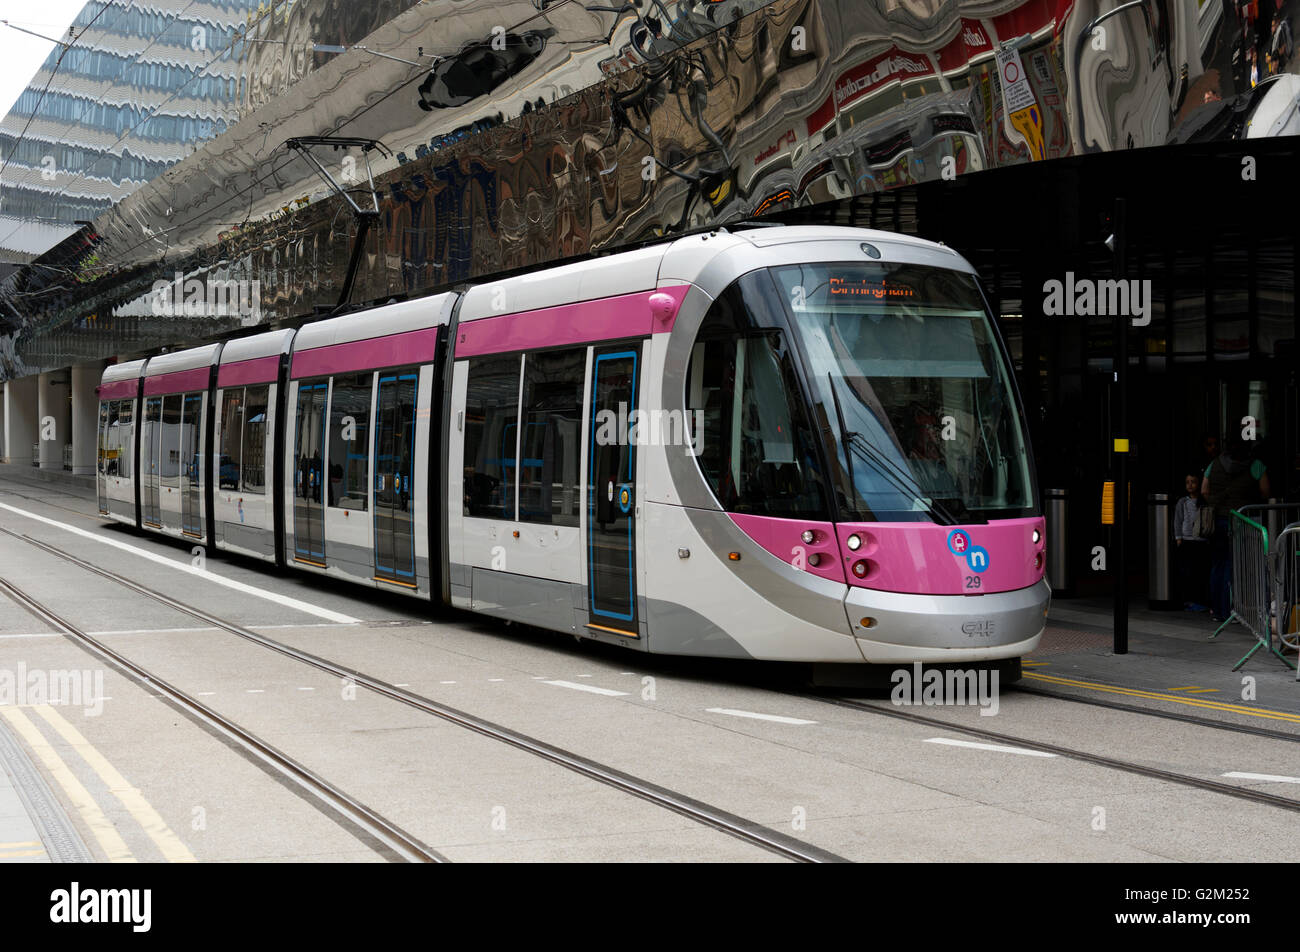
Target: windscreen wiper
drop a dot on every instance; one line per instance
(880, 461)
(856, 441)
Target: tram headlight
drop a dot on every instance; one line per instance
(855, 542)
(808, 536)
(1036, 536)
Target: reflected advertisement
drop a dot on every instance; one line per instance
(512, 134)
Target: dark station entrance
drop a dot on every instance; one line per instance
(1214, 229)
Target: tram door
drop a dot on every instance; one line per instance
(394, 478)
(191, 464)
(309, 474)
(151, 443)
(611, 493)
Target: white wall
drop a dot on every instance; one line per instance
(85, 417)
(20, 419)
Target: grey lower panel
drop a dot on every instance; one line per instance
(679, 630)
(247, 538)
(537, 601)
(354, 560)
(122, 509)
(561, 606)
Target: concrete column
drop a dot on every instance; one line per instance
(20, 419)
(54, 406)
(85, 417)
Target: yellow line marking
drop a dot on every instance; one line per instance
(1172, 698)
(22, 853)
(19, 846)
(173, 850)
(1203, 691)
(110, 841)
(1032, 664)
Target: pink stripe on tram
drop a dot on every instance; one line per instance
(257, 370)
(413, 347)
(119, 389)
(628, 315)
(182, 381)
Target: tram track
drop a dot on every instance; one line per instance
(747, 831)
(331, 799)
(1071, 753)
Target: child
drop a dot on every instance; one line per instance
(1193, 550)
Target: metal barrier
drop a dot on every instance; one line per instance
(1254, 582)
(1286, 588)
(1273, 515)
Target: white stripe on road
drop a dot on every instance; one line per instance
(201, 573)
(589, 688)
(996, 747)
(758, 717)
(1262, 776)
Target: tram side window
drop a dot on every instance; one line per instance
(349, 452)
(106, 409)
(115, 438)
(122, 438)
(169, 465)
(550, 443)
(756, 447)
(252, 452)
(491, 425)
(232, 421)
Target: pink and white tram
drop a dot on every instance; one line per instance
(791, 443)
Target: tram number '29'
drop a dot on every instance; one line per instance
(972, 581)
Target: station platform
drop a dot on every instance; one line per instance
(28, 475)
(34, 827)
(1172, 663)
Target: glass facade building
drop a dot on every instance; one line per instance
(137, 92)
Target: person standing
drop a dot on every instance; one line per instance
(1193, 549)
(1233, 480)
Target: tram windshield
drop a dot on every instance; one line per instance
(911, 392)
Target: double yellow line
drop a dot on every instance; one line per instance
(110, 841)
(1171, 698)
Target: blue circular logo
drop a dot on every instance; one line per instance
(977, 559)
(958, 542)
